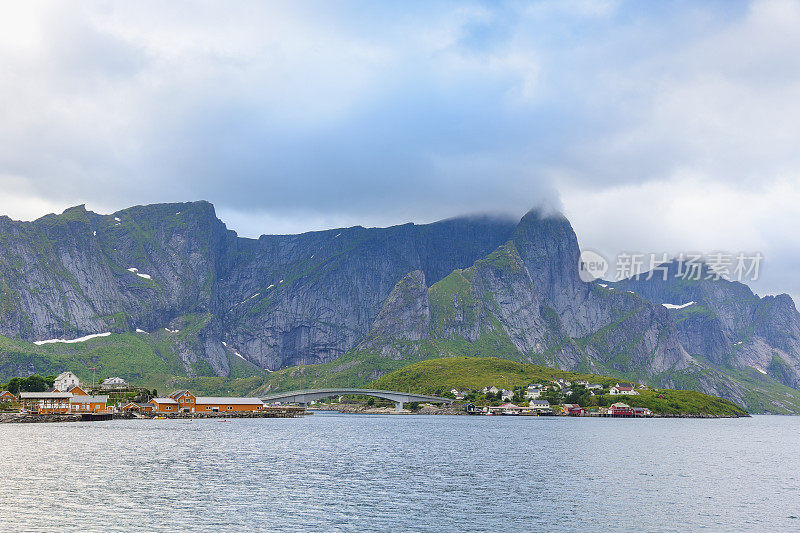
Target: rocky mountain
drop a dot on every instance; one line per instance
(184, 296)
(278, 300)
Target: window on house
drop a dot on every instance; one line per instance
(230, 408)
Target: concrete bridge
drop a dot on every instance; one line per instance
(399, 398)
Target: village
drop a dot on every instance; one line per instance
(559, 397)
(68, 396)
(115, 398)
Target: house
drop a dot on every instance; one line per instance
(620, 409)
(567, 406)
(185, 402)
(533, 394)
(134, 406)
(492, 390)
(46, 402)
(458, 394)
(593, 386)
(211, 404)
(6, 396)
(77, 391)
(562, 383)
(540, 405)
(471, 409)
(576, 411)
(642, 411)
(65, 381)
(114, 383)
(506, 409)
(83, 403)
(164, 405)
(622, 389)
(507, 395)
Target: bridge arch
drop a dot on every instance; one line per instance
(304, 397)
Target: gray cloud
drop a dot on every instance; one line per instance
(293, 116)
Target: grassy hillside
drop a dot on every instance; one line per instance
(473, 373)
(428, 377)
(148, 360)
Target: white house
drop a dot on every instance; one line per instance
(114, 383)
(539, 404)
(533, 394)
(507, 395)
(594, 386)
(458, 394)
(493, 390)
(65, 381)
(622, 389)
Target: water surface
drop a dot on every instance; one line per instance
(332, 472)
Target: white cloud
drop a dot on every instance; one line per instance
(295, 116)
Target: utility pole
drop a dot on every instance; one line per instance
(93, 371)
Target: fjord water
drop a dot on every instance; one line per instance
(332, 472)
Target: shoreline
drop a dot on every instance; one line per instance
(354, 408)
(31, 418)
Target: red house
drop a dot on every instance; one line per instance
(620, 409)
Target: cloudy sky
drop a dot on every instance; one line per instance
(655, 126)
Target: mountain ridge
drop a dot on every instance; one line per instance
(367, 300)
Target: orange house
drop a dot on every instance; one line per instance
(77, 391)
(6, 396)
(164, 405)
(46, 402)
(83, 403)
(183, 401)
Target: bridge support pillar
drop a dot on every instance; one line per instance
(398, 406)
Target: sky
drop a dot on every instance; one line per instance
(654, 126)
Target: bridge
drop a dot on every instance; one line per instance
(399, 398)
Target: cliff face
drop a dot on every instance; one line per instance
(726, 323)
(278, 300)
(467, 286)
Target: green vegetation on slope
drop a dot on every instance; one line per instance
(473, 373)
(145, 360)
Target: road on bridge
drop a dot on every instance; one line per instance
(306, 396)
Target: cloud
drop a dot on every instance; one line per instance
(293, 115)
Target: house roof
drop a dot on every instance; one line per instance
(45, 395)
(208, 400)
(178, 393)
(81, 398)
(541, 403)
(114, 380)
(164, 400)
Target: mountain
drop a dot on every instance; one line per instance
(526, 302)
(181, 296)
(279, 300)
